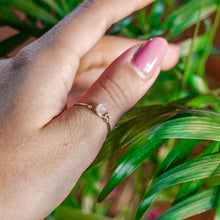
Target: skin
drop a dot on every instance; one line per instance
(45, 142)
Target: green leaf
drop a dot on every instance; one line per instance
(67, 213)
(209, 43)
(199, 84)
(191, 59)
(177, 155)
(190, 188)
(31, 9)
(8, 18)
(167, 81)
(189, 128)
(6, 13)
(74, 4)
(54, 5)
(135, 123)
(139, 121)
(142, 19)
(65, 6)
(156, 13)
(136, 154)
(200, 112)
(217, 212)
(11, 43)
(193, 205)
(202, 101)
(199, 48)
(120, 25)
(196, 168)
(187, 15)
(213, 148)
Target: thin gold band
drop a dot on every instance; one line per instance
(100, 110)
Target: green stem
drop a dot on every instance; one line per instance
(206, 54)
(189, 61)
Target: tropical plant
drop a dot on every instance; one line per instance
(162, 132)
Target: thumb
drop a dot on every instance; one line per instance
(122, 84)
(128, 78)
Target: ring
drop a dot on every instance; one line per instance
(100, 110)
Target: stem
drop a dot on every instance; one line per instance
(187, 73)
(206, 54)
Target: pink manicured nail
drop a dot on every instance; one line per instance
(149, 57)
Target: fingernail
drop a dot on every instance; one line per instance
(149, 57)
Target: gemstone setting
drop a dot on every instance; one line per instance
(101, 109)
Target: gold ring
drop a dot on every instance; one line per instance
(100, 110)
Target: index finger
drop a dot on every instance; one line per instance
(82, 29)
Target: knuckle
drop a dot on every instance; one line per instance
(29, 54)
(22, 58)
(103, 23)
(83, 7)
(115, 91)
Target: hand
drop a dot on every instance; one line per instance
(93, 64)
(96, 60)
(44, 146)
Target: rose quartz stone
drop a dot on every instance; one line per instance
(101, 109)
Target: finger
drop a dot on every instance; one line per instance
(74, 138)
(172, 57)
(50, 82)
(82, 29)
(74, 97)
(83, 81)
(119, 93)
(105, 52)
(119, 88)
(111, 47)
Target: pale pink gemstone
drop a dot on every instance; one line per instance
(101, 109)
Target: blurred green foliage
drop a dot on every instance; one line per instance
(179, 114)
